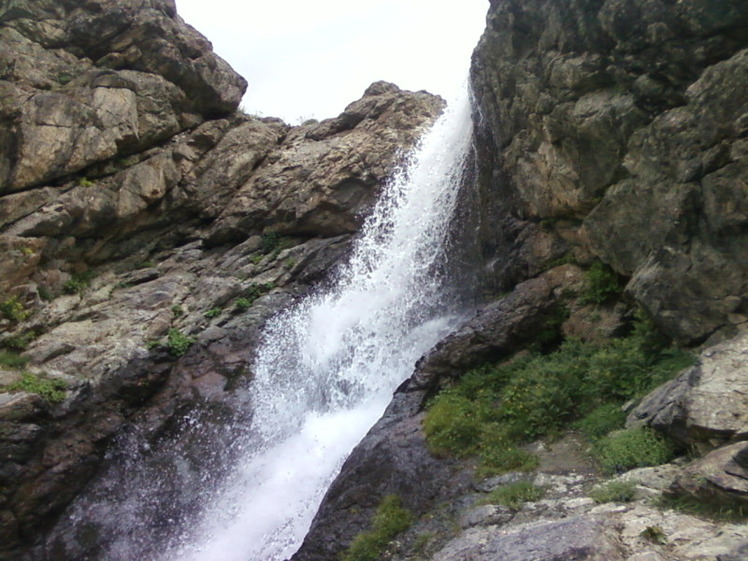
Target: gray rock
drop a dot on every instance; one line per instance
(705, 405)
(720, 477)
(572, 539)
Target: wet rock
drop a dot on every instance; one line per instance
(706, 405)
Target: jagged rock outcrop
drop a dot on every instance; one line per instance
(707, 405)
(618, 125)
(147, 230)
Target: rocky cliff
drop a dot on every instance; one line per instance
(148, 228)
(612, 186)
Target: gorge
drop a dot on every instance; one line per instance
(152, 233)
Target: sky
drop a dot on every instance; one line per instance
(308, 59)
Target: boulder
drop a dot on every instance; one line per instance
(706, 405)
(719, 478)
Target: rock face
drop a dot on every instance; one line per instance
(147, 230)
(618, 125)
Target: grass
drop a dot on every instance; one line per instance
(13, 360)
(514, 495)
(53, 391)
(614, 492)
(493, 409)
(389, 520)
(627, 449)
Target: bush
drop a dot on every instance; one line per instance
(514, 495)
(453, 426)
(602, 284)
(495, 407)
(614, 492)
(213, 313)
(78, 283)
(389, 520)
(602, 420)
(51, 390)
(12, 360)
(14, 310)
(178, 343)
(632, 448)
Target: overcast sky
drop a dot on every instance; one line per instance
(310, 58)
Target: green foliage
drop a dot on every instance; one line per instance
(20, 341)
(273, 244)
(453, 426)
(10, 359)
(51, 390)
(514, 495)
(64, 78)
(632, 448)
(177, 311)
(78, 283)
(213, 313)
(602, 284)
(614, 492)
(177, 342)
(85, 182)
(14, 310)
(250, 294)
(492, 409)
(654, 534)
(145, 265)
(601, 421)
(389, 520)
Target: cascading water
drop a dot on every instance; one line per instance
(328, 366)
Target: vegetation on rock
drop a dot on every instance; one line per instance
(389, 520)
(178, 343)
(638, 447)
(492, 409)
(51, 390)
(514, 495)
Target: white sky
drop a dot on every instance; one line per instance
(311, 58)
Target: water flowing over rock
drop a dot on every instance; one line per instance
(150, 233)
(143, 218)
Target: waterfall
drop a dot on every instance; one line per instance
(327, 367)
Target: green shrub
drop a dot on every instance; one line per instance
(177, 311)
(78, 283)
(614, 492)
(51, 390)
(453, 426)
(14, 310)
(20, 341)
(495, 461)
(11, 359)
(213, 313)
(178, 343)
(602, 420)
(602, 284)
(493, 408)
(242, 304)
(514, 495)
(389, 520)
(632, 448)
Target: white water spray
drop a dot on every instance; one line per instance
(328, 366)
